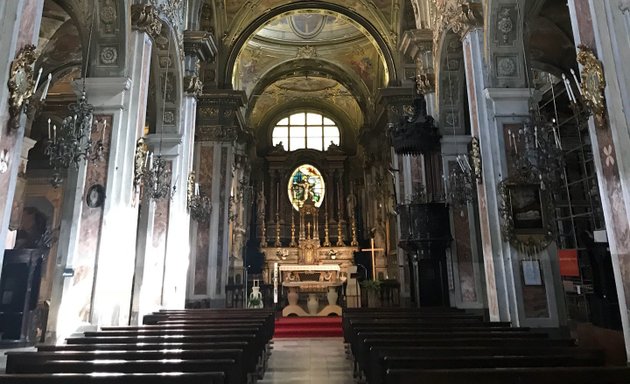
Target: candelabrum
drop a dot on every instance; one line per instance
(326, 237)
(71, 143)
(157, 179)
(536, 148)
(340, 242)
(277, 243)
(354, 242)
(461, 190)
(199, 205)
(263, 233)
(292, 243)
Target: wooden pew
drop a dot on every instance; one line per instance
(20, 361)
(538, 375)
(385, 361)
(227, 366)
(129, 378)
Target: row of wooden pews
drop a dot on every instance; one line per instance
(209, 346)
(442, 345)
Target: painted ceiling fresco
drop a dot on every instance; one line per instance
(308, 89)
(301, 44)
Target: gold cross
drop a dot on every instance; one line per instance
(372, 249)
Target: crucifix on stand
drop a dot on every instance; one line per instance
(372, 250)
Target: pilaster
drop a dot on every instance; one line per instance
(21, 20)
(604, 28)
(494, 111)
(464, 256)
(218, 126)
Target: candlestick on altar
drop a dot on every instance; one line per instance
(340, 242)
(292, 243)
(49, 137)
(277, 243)
(326, 237)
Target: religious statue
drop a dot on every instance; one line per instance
(351, 204)
(260, 204)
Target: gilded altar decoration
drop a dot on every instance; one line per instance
(475, 155)
(306, 184)
(593, 82)
(21, 83)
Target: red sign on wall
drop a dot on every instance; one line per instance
(569, 262)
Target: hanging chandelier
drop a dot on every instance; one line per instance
(71, 143)
(536, 149)
(157, 178)
(198, 204)
(461, 181)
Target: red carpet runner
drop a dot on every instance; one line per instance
(308, 327)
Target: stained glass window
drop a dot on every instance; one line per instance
(306, 183)
(305, 130)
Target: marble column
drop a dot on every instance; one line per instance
(492, 112)
(465, 286)
(217, 131)
(604, 28)
(20, 26)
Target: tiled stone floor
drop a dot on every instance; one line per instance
(304, 361)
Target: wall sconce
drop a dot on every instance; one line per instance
(199, 205)
(22, 86)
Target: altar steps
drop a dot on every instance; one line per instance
(308, 327)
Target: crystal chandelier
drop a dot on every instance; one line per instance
(199, 204)
(71, 143)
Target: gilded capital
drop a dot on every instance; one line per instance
(457, 15)
(145, 18)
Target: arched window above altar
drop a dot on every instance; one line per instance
(304, 130)
(306, 183)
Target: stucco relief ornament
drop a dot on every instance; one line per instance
(505, 24)
(109, 55)
(21, 83)
(593, 83)
(145, 18)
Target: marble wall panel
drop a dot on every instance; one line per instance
(202, 246)
(223, 223)
(461, 229)
(91, 222)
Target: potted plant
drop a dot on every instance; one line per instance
(372, 289)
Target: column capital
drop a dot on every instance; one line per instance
(460, 16)
(219, 115)
(200, 44)
(104, 92)
(146, 18)
(515, 100)
(170, 143)
(416, 41)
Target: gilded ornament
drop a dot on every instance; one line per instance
(475, 155)
(593, 82)
(21, 83)
(456, 15)
(145, 18)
